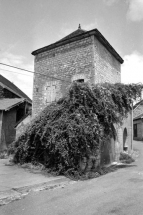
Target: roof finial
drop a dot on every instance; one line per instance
(79, 27)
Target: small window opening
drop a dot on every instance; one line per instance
(80, 80)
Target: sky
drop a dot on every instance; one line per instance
(26, 25)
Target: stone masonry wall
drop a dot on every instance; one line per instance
(85, 59)
(69, 62)
(119, 144)
(128, 124)
(107, 68)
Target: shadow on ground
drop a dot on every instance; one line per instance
(97, 173)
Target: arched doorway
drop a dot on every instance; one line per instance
(124, 138)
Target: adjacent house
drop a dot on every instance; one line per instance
(138, 121)
(84, 56)
(14, 106)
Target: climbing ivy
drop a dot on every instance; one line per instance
(74, 126)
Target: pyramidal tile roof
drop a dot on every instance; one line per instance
(78, 35)
(73, 34)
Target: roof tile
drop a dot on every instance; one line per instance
(6, 104)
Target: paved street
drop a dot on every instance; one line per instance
(119, 192)
(16, 182)
(15, 177)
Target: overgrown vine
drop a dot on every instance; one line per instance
(74, 126)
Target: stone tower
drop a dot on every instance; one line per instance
(82, 55)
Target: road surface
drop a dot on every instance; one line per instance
(119, 192)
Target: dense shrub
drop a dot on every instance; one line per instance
(74, 126)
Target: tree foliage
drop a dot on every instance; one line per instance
(74, 126)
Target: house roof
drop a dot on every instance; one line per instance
(7, 104)
(138, 117)
(137, 104)
(5, 83)
(78, 35)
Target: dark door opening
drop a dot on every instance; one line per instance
(124, 138)
(135, 130)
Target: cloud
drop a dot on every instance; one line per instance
(21, 79)
(132, 69)
(135, 11)
(110, 2)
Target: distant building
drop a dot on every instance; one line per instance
(84, 56)
(14, 105)
(138, 121)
